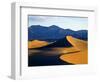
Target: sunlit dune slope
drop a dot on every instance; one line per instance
(36, 44)
(77, 43)
(65, 50)
(77, 57)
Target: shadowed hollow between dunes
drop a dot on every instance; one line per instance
(59, 53)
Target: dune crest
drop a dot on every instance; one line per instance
(77, 43)
(36, 44)
(78, 57)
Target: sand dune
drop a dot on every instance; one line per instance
(77, 54)
(66, 50)
(77, 43)
(75, 58)
(36, 44)
(78, 57)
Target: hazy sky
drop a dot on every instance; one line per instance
(74, 23)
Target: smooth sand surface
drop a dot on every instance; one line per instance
(66, 50)
(77, 57)
(36, 44)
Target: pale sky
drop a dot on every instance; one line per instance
(74, 23)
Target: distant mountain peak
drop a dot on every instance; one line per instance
(53, 26)
(36, 26)
(53, 32)
(69, 30)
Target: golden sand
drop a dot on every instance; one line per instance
(77, 57)
(65, 50)
(36, 44)
(78, 54)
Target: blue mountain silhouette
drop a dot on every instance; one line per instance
(54, 33)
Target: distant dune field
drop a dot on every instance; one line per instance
(36, 44)
(78, 57)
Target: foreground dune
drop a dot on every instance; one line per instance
(77, 57)
(36, 44)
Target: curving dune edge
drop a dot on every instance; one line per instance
(79, 57)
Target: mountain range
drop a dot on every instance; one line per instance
(54, 33)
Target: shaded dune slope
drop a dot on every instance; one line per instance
(59, 43)
(76, 57)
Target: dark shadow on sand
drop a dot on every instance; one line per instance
(41, 59)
